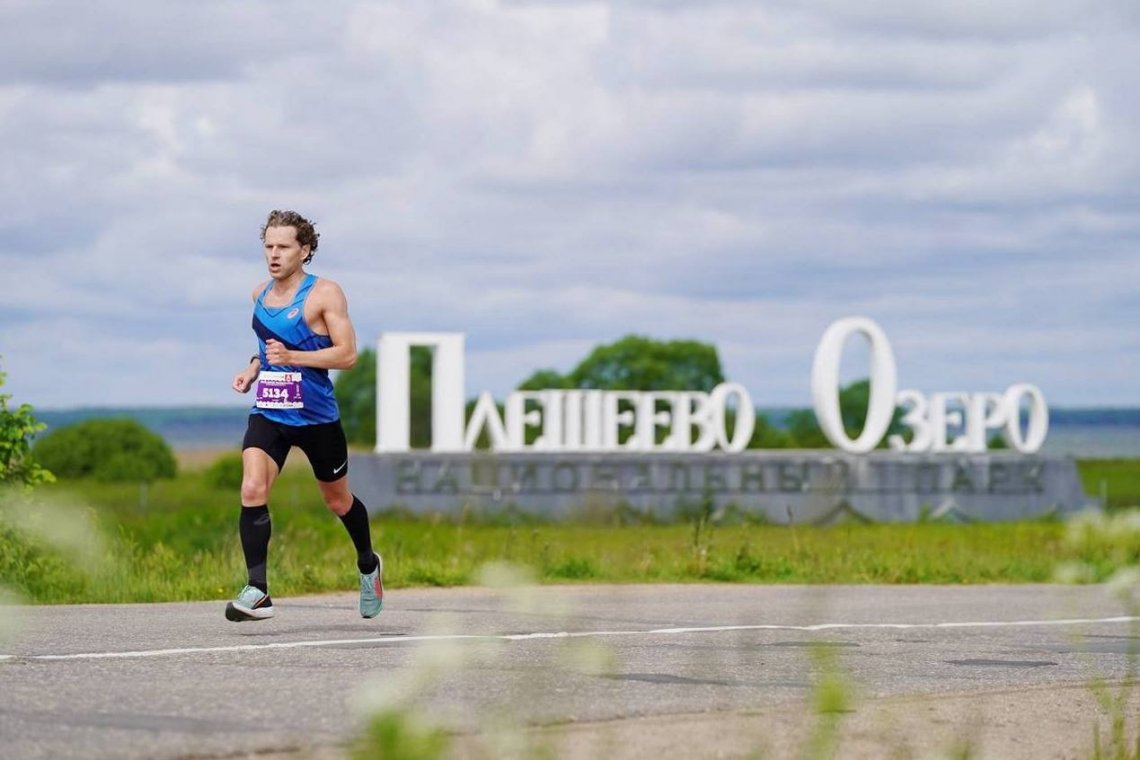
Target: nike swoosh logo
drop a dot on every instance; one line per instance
(338, 469)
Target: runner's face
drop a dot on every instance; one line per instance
(283, 254)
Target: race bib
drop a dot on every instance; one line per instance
(279, 390)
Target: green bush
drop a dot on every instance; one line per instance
(225, 472)
(17, 428)
(108, 450)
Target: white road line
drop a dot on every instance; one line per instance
(315, 643)
(901, 626)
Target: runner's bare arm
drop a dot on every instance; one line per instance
(244, 380)
(326, 305)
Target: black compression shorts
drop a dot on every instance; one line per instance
(323, 444)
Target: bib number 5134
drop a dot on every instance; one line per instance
(279, 390)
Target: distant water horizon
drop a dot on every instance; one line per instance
(1084, 432)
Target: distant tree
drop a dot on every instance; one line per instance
(804, 431)
(355, 391)
(17, 429)
(854, 400)
(637, 363)
(107, 449)
(421, 397)
(765, 435)
(545, 379)
(226, 472)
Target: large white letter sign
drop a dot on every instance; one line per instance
(1034, 438)
(745, 417)
(932, 419)
(692, 421)
(825, 384)
(393, 389)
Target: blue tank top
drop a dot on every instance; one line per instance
(287, 325)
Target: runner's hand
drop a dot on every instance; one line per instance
(243, 382)
(276, 353)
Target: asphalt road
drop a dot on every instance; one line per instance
(178, 680)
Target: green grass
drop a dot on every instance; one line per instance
(177, 540)
(1119, 478)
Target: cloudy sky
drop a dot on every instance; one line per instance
(548, 176)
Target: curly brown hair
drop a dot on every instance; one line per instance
(306, 233)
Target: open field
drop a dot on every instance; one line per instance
(177, 540)
(1118, 479)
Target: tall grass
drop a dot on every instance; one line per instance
(1116, 479)
(177, 540)
(185, 546)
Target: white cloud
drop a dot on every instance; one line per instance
(74, 44)
(549, 176)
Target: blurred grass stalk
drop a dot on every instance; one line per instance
(1108, 544)
(395, 706)
(57, 520)
(38, 527)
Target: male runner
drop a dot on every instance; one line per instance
(303, 330)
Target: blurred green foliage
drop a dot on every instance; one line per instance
(17, 429)
(355, 391)
(226, 472)
(111, 450)
(1117, 481)
(638, 363)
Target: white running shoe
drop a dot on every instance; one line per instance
(251, 604)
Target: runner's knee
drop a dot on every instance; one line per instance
(338, 503)
(254, 491)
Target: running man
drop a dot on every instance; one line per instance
(303, 330)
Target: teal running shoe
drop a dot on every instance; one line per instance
(251, 604)
(372, 591)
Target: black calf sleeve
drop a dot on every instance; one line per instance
(255, 528)
(356, 523)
